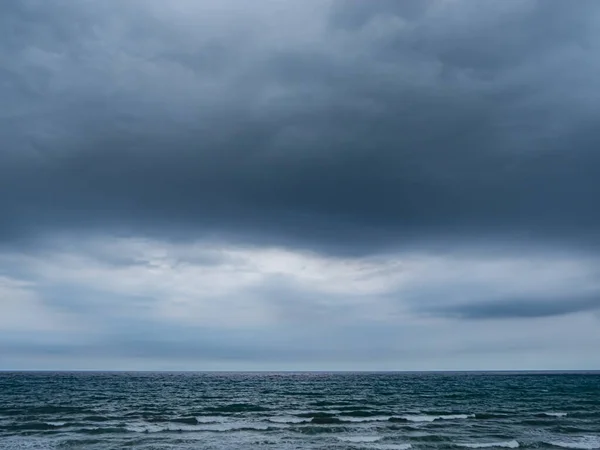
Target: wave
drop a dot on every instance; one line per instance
(341, 404)
(582, 443)
(205, 427)
(309, 429)
(100, 430)
(366, 419)
(372, 442)
(431, 418)
(35, 426)
(56, 424)
(36, 410)
(540, 422)
(364, 413)
(32, 443)
(194, 420)
(320, 418)
(326, 420)
(488, 416)
(210, 419)
(580, 430)
(350, 407)
(503, 444)
(237, 407)
(288, 420)
(378, 446)
(359, 439)
(98, 419)
(187, 420)
(554, 414)
(313, 414)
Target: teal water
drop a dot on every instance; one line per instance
(299, 411)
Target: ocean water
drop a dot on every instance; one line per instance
(299, 411)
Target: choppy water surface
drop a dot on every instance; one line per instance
(298, 411)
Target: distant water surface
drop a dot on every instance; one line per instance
(392, 411)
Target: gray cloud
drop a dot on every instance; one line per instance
(403, 125)
(334, 129)
(524, 308)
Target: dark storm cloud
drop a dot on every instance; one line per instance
(523, 308)
(407, 122)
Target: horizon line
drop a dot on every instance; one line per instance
(439, 371)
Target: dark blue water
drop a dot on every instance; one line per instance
(298, 411)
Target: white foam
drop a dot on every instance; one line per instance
(583, 442)
(231, 426)
(390, 446)
(429, 418)
(289, 419)
(27, 443)
(210, 419)
(366, 419)
(359, 439)
(555, 414)
(56, 424)
(504, 444)
(143, 427)
(139, 427)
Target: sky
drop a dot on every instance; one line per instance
(299, 185)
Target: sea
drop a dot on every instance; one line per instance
(371, 411)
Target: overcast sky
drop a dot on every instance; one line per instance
(299, 185)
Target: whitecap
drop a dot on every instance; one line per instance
(555, 414)
(359, 439)
(143, 427)
(138, 427)
(583, 443)
(390, 446)
(366, 419)
(26, 443)
(429, 418)
(504, 444)
(289, 419)
(232, 426)
(210, 419)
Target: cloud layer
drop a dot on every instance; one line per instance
(244, 176)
